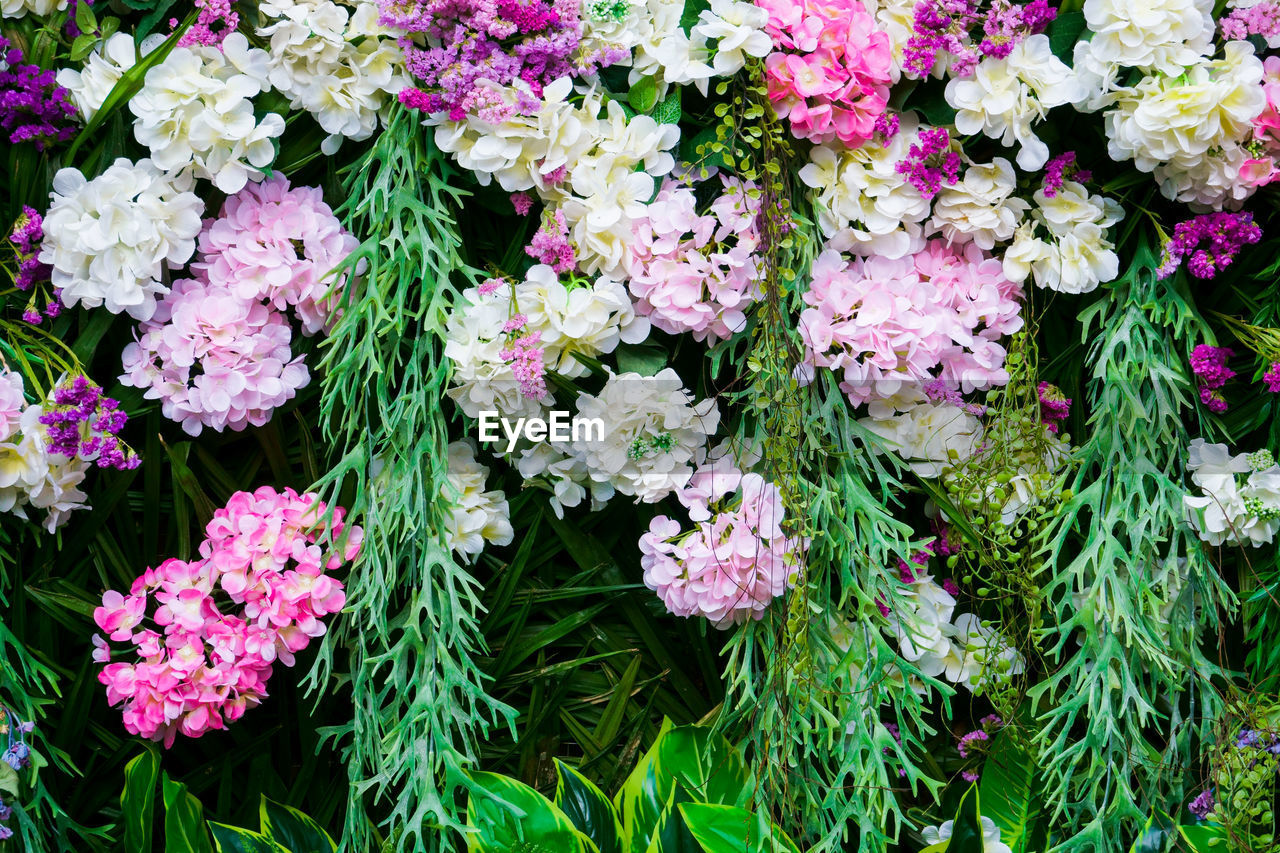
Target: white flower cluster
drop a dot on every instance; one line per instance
(108, 239)
(1153, 35)
(1064, 246)
(335, 61)
(588, 320)
(31, 476)
(476, 516)
(592, 161)
(931, 437)
(865, 205)
(991, 842)
(964, 651)
(1004, 97)
(103, 68)
(1240, 495)
(195, 112)
(655, 436)
(41, 8)
(981, 207)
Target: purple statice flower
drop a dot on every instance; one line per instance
(26, 235)
(525, 357)
(1272, 378)
(33, 107)
(82, 421)
(886, 126)
(952, 588)
(991, 722)
(1261, 19)
(930, 163)
(968, 775)
(1209, 364)
(551, 244)
(940, 26)
(974, 742)
(1007, 23)
(1225, 233)
(1203, 804)
(1062, 168)
(215, 20)
(1054, 405)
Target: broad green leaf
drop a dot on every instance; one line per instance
(645, 360)
(588, 808)
(293, 829)
(138, 799)
(730, 829)
(1007, 788)
(233, 839)
(1204, 838)
(506, 811)
(966, 830)
(643, 94)
(707, 765)
(1064, 31)
(184, 830)
(672, 834)
(1155, 836)
(9, 781)
(644, 795)
(669, 109)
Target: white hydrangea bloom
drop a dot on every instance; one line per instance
(737, 28)
(476, 516)
(40, 8)
(981, 655)
(920, 620)
(991, 842)
(567, 474)
(588, 320)
(1217, 180)
(929, 437)
(108, 239)
(865, 206)
(1004, 97)
(103, 68)
(981, 206)
(1064, 245)
(1164, 35)
(335, 61)
(1176, 120)
(194, 112)
(654, 434)
(1230, 509)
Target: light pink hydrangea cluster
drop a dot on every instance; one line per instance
(694, 272)
(1263, 166)
(831, 69)
(881, 323)
(731, 565)
(217, 351)
(200, 666)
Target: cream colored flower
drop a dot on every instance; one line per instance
(476, 516)
(1162, 35)
(981, 206)
(103, 68)
(929, 437)
(1064, 245)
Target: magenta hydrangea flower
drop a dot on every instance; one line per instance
(693, 272)
(214, 359)
(729, 567)
(1272, 378)
(880, 322)
(196, 663)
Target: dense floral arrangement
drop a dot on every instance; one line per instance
(476, 390)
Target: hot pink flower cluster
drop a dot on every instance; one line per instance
(729, 567)
(880, 322)
(217, 351)
(831, 69)
(694, 272)
(200, 666)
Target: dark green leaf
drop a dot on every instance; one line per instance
(233, 839)
(137, 801)
(293, 829)
(184, 830)
(588, 808)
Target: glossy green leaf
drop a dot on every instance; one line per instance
(138, 799)
(1156, 835)
(966, 831)
(706, 764)
(644, 795)
(233, 839)
(672, 834)
(293, 829)
(184, 830)
(730, 829)
(506, 811)
(1008, 790)
(643, 94)
(1204, 838)
(588, 808)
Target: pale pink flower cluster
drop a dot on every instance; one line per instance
(729, 567)
(200, 666)
(1263, 166)
(217, 352)
(881, 322)
(694, 272)
(831, 69)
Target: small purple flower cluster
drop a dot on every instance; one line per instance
(975, 743)
(1054, 405)
(930, 163)
(26, 235)
(1203, 804)
(1062, 168)
(1209, 364)
(1226, 234)
(524, 354)
(1261, 19)
(471, 43)
(17, 755)
(551, 245)
(82, 421)
(887, 125)
(214, 22)
(33, 107)
(1272, 378)
(945, 26)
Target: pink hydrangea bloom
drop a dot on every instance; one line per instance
(880, 323)
(831, 69)
(214, 359)
(281, 245)
(206, 666)
(1262, 169)
(728, 568)
(694, 272)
